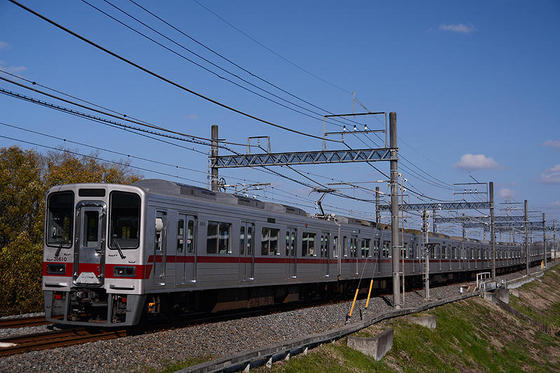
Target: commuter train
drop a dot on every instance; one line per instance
(115, 253)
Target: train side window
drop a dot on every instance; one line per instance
(190, 236)
(159, 234)
(269, 241)
(290, 243)
(335, 246)
(325, 245)
(353, 247)
(366, 248)
(308, 244)
(218, 238)
(242, 240)
(180, 235)
(344, 246)
(376, 248)
(386, 249)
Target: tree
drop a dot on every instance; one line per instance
(21, 194)
(25, 177)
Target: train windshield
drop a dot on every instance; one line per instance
(125, 220)
(60, 214)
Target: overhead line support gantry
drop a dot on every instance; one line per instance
(326, 157)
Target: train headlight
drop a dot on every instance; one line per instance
(124, 271)
(56, 269)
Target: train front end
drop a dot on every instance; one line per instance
(93, 259)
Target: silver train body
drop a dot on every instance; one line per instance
(113, 252)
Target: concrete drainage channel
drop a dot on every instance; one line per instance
(377, 347)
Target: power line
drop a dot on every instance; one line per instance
(207, 61)
(272, 51)
(102, 149)
(146, 70)
(96, 119)
(230, 61)
(141, 123)
(105, 122)
(128, 127)
(100, 159)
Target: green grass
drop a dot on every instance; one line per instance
(174, 366)
(470, 335)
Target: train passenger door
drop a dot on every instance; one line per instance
(247, 251)
(89, 255)
(291, 251)
(325, 252)
(160, 248)
(186, 249)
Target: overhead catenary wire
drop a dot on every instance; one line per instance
(169, 81)
(174, 83)
(272, 51)
(128, 127)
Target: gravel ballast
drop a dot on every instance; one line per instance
(214, 340)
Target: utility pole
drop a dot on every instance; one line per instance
(492, 233)
(377, 211)
(554, 239)
(463, 254)
(544, 238)
(425, 229)
(434, 225)
(214, 155)
(526, 212)
(403, 250)
(394, 209)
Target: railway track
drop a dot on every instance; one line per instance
(49, 340)
(69, 337)
(20, 323)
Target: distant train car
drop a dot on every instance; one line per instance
(114, 253)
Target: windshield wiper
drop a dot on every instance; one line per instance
(58, 250)
(119, 248)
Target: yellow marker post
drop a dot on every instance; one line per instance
(369, 293)
(354, 302)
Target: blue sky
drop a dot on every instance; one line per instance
(474, 84)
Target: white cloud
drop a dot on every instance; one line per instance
(506, 193)
(12, 69)
(476, 162)
(3, 44)
(460, 28)
(551, 175)
(552, 144)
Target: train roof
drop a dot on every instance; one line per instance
(170, 188)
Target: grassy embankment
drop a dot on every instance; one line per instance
(472, 335)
